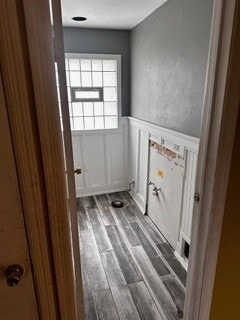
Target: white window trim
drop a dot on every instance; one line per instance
(116, 57)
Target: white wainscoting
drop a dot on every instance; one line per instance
(186, 146)
(103, 157)
(188, 191)
(138, 161)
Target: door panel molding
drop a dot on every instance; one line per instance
(21, 299)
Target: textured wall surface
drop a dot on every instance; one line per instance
(169, 52)
(83, 40)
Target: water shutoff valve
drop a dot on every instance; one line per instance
(155, 189)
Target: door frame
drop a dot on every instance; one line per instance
(27, 67)
(220, 109)
(59, 56)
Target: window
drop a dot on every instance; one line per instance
(93, 85)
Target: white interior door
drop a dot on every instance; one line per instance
(165, 190)
(17, 295)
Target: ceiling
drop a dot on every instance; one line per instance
(108, 14)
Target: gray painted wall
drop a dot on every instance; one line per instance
(168, 65)
(83, 40)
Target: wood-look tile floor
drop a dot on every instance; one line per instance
(129, 270)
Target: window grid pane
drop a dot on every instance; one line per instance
(93, 73)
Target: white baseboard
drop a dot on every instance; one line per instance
(84, 192)
(182, 260)
(138, 200)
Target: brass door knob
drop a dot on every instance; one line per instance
(13, 274)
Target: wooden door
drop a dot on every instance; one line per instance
(164, 204)
(19, 301)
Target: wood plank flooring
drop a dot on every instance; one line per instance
(129, 270)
